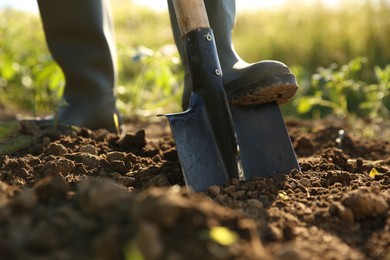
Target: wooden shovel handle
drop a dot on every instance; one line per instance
(191, 15)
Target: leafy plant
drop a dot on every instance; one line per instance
(158, 84)
(377, 93)
(341, 92)
(29, 77)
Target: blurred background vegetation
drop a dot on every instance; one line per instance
(341, 57)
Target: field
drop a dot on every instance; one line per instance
(94, 195)
(68, 192)
(316, 42)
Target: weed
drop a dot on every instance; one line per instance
(340, 91)
(158, 84)
(377, 95)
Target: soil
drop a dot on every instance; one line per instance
(82, 194)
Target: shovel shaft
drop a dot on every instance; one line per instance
(191, 15)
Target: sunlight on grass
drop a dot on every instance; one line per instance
(304, 38)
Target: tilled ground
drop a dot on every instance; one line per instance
(81, 194)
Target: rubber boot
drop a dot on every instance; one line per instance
(79, 34)
(245, 84)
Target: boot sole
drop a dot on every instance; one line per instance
(280, 88)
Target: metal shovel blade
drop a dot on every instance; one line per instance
(201, 161)
(265, 146)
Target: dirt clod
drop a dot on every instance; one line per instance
(366, 204)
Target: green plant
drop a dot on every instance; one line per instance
(377, 95)
(341, 92)
(29, 77)
(158, 84)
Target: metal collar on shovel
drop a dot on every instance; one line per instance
(204, 134)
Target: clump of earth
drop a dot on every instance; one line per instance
(82, 194)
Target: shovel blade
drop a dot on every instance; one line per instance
(265, 146)
(200, 158)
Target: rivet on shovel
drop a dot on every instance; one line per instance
(208, 37)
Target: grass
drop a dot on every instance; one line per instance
(311, 35)
(304, 36)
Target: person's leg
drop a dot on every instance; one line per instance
(245, 84)
(79, 34)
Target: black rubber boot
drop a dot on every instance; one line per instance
(79, 34)
(245, 84)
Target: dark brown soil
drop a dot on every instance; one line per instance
(81, 194)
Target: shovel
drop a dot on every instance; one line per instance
(206, 133)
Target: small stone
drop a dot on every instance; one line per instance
(170, 154)
(131, 158)
(289, 252)
(88, 149)
(46, 141)
(118, 166)
(136, 140)
(235, 181)
(307, 211)
(62, 166)
(222, 198)
(126, 181)
(115, 156)
(338, 210)
(17, 181)
(255, 203)
(364, 204)
(272, 233)
(115, 175)
(346, 214)
(24, 200)
(95, 196)
(52, 188)
(238, 194)
(159, 181)
(293, 185)
(304, 145)
(162, 207)
(214, 190)
(56, 149)
(91, 161)
(229, 189)
(305, 182)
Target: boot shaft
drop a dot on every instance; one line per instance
(221, 14)
(80, 37)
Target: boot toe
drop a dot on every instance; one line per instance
(262, 82)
